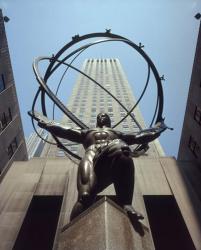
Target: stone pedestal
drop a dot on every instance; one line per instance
(105, 226)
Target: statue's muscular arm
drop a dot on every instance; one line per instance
(144, 136)
(57, 129)
(63, 131)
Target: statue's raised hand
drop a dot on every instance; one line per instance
(43, 121)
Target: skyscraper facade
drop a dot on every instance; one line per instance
(190, 144)
(88, 100)
(35, 144)
(12, 142)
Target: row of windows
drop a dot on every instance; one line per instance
(100, 60)
(5, 119)
(107, 82)
(108, 110)
(125, 123)
(82, 101)
(102, 102)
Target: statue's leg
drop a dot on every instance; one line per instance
(123, 178)
(124, 174)
(86, 183)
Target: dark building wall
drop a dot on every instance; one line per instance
(190, 144)
(12, 143)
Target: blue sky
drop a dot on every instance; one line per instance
(167, 28)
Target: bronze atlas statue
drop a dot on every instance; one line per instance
(108, 156)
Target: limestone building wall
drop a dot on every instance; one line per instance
(12, 142)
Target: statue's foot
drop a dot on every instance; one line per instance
(85, 201)
(133, 213)
(77, 210)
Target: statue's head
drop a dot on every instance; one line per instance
(103, 119)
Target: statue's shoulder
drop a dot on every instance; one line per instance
(114, 131)
(89, 130)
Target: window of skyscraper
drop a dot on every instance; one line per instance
(129, 105)
(74, 148)
(74, 109)
(3, 120)
(60, 153)
(80, 115)
(10, 151)
(2, 83)
(82, 110)
(125, 121)
(69, 122)
(12, 147)
(125, 127)
(9, 117)
(122, 114)
(197, 115)
(193, 146)
(75, 104)
(92, 121)
(135, 126)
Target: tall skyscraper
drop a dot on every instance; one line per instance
(190, 144)
(35, 144)
(88, 99)
(12, 142)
